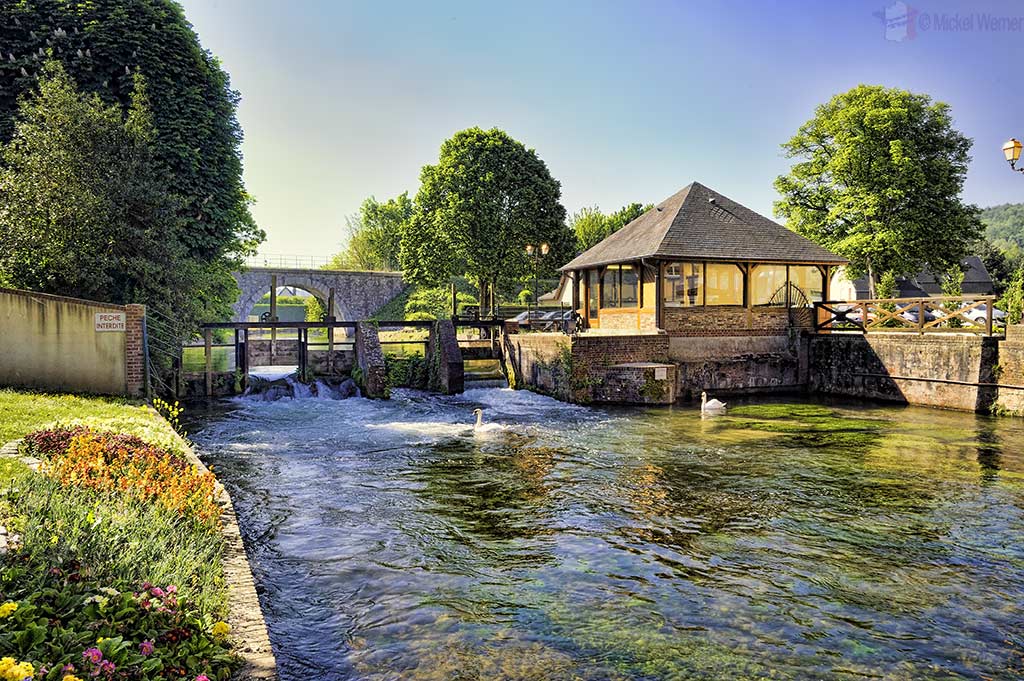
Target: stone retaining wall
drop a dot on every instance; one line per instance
(938, 370)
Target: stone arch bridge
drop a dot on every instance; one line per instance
(356, 295)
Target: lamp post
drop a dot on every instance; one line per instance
(536, 252)
(1011, 150)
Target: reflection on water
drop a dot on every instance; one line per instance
(788, 540)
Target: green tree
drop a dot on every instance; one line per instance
(485, 199)
(435, 303)
(375, 235)
(1013, 299)
(314, 309)
(103, 45)
(1004, 224)
(626, 215)
(590, 226)
(877, 179)
(84, 211)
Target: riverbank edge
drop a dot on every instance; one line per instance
(248, 625)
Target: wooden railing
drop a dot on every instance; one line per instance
(941, 314)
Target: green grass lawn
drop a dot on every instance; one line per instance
(24, 412)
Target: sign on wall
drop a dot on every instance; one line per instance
(110, 321)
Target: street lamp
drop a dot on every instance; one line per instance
(1011, 150)
(536, 252)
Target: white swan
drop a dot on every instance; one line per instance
(481, 427)
(710, 406)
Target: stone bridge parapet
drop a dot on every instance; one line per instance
(357, 295)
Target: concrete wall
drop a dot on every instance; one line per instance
(938, 370)
(51, 343)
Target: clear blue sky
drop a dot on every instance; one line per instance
(625, 101)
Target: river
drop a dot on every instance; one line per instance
(787, 539)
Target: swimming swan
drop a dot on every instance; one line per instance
(481, 427)
(711, 406)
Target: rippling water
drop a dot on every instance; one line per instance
(787, 540)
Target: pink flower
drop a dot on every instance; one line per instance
(202, 677)
(146, 648)
(157, 591)
(94, 655)
(107, 667)
(171, 589)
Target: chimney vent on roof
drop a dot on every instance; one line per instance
(711, 199)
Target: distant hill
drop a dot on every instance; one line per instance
(1004, 225)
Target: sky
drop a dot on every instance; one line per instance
(624, 101)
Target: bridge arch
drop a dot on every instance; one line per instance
(357, 295)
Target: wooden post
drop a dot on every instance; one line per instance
(273, 315)
(920, 317)
(455, 301)
(988, 317)
(864, 316)
(659, 295)
(330, 332)
(245, 352)
(208, 349)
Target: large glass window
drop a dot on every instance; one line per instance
(621, 286)
(723, 284)
(630, 286)
(593, 288)
(610, 294)
(768, 285)
(808, 281)
(684, 284)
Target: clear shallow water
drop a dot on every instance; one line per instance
(788, 540)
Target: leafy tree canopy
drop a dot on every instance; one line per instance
(103, 44)
(477, 208)
(591, 226)
(1004, 226)
(84, 210)
(375, 235)
(877, 179)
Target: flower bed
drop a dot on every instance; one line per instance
(113, 461)
(107, 518)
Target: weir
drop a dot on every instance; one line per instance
(375, 355)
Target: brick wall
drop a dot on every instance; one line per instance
(619, 319)
(735, 320)
(134, 354)
(620, 349)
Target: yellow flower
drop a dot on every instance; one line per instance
(221, 629)
(5, 664)
(70, 677)
(5, 611)
(21, 671)
(100, 640)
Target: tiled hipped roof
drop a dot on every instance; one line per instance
(698, 223)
